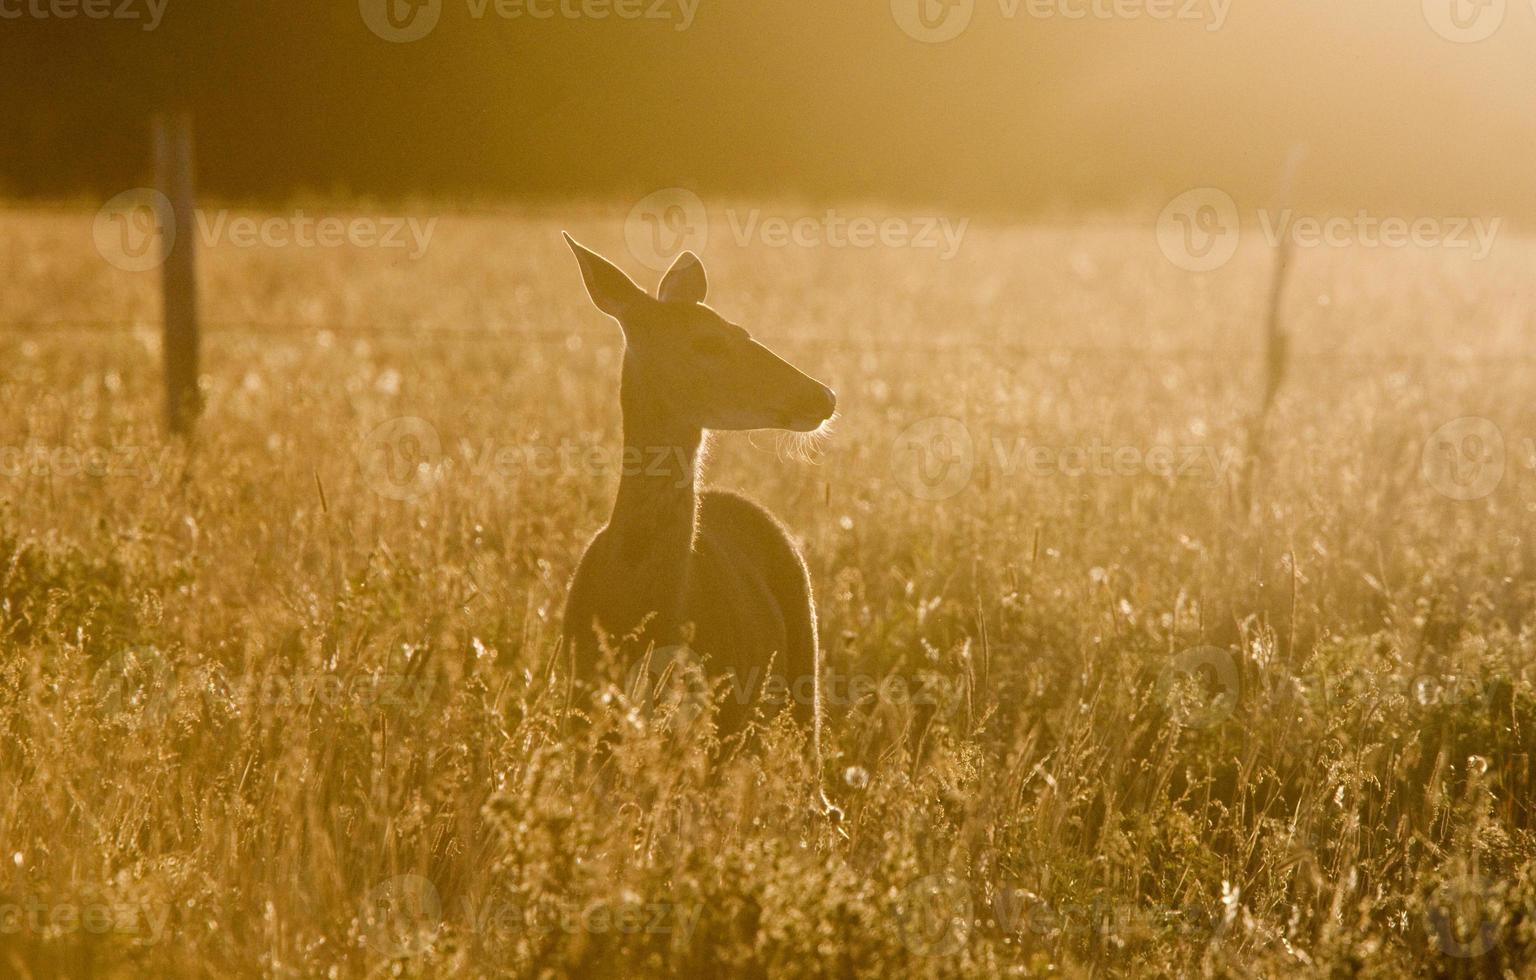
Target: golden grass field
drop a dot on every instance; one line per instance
(261, 717)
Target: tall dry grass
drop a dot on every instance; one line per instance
(260, 717)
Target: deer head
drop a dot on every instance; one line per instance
(685, 361)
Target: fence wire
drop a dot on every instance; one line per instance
(426, 331)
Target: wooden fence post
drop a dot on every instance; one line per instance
(174, 180)
(1276, 343)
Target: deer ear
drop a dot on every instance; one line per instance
(611, 290)
(684, 282)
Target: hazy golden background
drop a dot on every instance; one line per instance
(1355, 795)
(810, 99)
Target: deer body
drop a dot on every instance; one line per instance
(677, 566)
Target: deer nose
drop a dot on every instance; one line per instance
(826, 402)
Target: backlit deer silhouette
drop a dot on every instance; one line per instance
(676, 567)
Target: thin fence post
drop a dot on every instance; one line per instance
(1276, 346)
(174, 180)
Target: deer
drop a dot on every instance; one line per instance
(678, 566)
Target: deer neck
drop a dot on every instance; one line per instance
(655, 512)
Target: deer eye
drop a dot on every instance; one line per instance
(711, 344)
